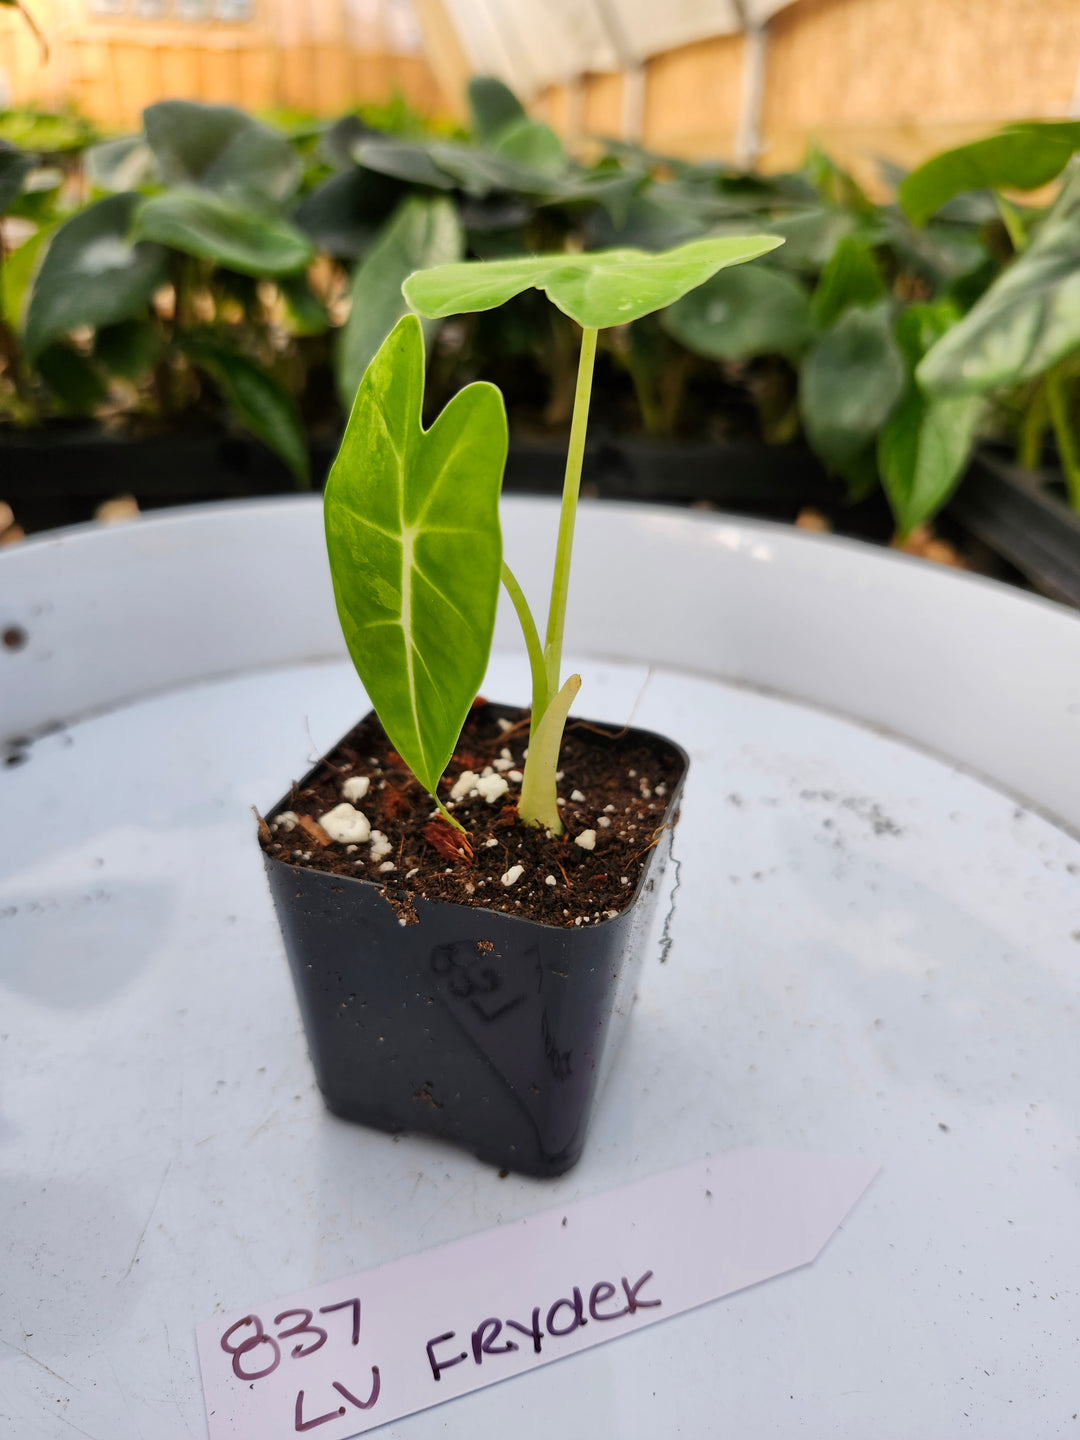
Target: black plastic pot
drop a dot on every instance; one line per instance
(482, 1028)
(1023, 517)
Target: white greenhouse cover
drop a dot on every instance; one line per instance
(530, 45)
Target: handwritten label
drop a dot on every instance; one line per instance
(343, 1358)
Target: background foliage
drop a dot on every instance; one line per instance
(227, 270)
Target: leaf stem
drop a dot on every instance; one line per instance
(539, 803)
(1063, 433)
(540, 695)
(560, 584)
(1029, 448)
(1010, 217)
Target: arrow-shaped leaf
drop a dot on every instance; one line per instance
(603, 288)
(412, 531)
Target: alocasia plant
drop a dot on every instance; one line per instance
(412, 515)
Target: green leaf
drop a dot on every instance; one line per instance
(1024, 323)
(922, 452)
(343, 215)
(257, 401)
(493, 107)
(92, 274)
(423, 231)
(850, 277)
(14, 166)
(1022, 157)
(217, 228)
(406, 160)
(412, 531)
(533, 146)
(129, 349)
(606, 287)
(124, 164)
(739, 313)
(811, 236)
(72, 378)
(851, 380)
(305, 313)
(220, 148)
(16, 274)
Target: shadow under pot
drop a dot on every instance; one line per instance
(479, 1026)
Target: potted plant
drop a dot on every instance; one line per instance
(461, 888)
(1016, 353)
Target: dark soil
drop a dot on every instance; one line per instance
(629, 781)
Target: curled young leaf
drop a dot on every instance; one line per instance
(412, 532)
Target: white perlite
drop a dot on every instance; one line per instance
(513, 875)
(464, 785)
(356, 787)
(287, 820)
(604, 822)
(386, 867)
(516, 776)
(345, 824)
(577, 797)
(550, 880)
(492, 787)
(587, 839)
(380, 845)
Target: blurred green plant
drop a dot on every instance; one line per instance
(216, 263)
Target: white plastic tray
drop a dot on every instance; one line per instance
(875, 952)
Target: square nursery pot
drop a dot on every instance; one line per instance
(484, 1028)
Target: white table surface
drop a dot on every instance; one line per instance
(876, 952)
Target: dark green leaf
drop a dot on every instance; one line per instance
(746, 311)
(129, 349)
(851, 277)
(423, 231)
(72, 378)
(851, 379)
(13, 167)
(257, 401)
(1022, 157)
(406, 160)
(602, 288)
(222, 149)
(922, 452)
(493, 107)
(412, 531)
(344, 214)
(811, 236)
(1027, 320)
(92, 274)
(217, 228)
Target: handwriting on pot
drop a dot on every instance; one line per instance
(340, 1359)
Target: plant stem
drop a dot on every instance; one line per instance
(560, 584)
(1029, 449)
(1012, 222)
(540, 696)
(1057, 401)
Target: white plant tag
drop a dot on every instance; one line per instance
(340, 1359)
